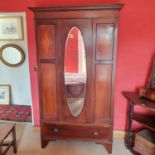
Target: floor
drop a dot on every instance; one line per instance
(29, 144)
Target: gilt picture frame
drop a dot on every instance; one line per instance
(5, 93)
(11, 28)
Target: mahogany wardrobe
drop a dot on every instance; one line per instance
(76, 55)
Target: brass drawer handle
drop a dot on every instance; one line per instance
(56, 130)
(95, 133)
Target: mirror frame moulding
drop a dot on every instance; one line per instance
(16, 47)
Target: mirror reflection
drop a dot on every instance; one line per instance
(12, 55)
(75, 71)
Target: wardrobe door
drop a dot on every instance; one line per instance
(47, 59)
(104, 61)
(84, 26)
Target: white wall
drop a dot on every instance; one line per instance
(17, 77)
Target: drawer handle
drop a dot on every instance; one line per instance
(95, 133)
(55, 130)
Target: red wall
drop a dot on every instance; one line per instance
(136, 47)
(71, 52)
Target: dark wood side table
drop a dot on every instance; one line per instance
(148, 121)
(5, 130)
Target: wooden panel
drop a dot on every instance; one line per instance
(85, 27)
(145, 142)
(76, 14)
(48, 90)
(46, 39)
(103, 92)
(65, 9)
(104, 41)
(71, 131)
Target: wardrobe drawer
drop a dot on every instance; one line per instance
(80, 132)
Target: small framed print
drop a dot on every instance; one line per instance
(5, 94)
(11, 28)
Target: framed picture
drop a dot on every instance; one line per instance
(5, 94)
(11, 28)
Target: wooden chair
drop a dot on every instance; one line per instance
(7, 129)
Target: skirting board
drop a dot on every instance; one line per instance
(119, 134)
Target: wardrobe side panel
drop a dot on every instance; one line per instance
(103, 92)
(104, 41)
(46, 37)
(104, 57)
(48, 90)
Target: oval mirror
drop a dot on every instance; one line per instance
(75, 71)
(12, 55)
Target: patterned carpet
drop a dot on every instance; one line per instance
(15, 113)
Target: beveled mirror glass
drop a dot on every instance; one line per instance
(75, 71)
(12, 55)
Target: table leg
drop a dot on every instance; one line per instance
(0, 148)
(14, 140)
(129, 132)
